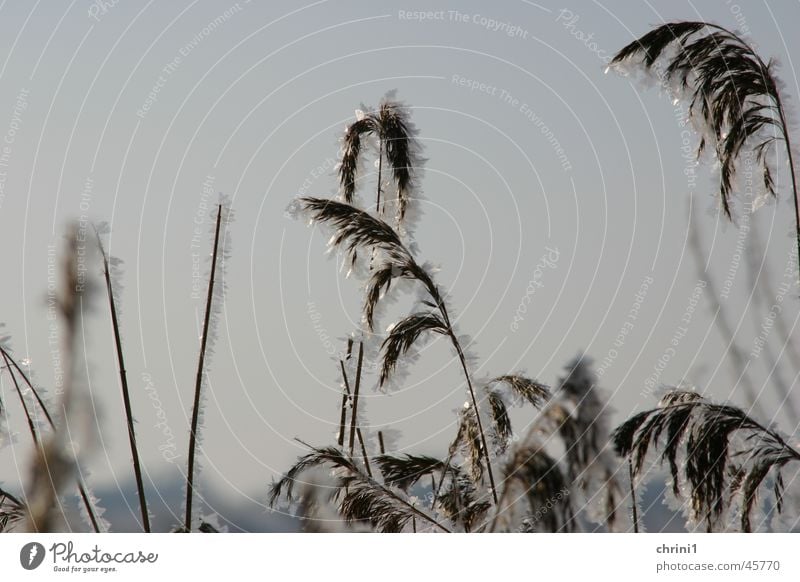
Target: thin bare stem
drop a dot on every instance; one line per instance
(451, 452)
(463, 361)
(364, 451)
(380, 442)
(633, 498)
(788, 143)
(31, 425)
(345, 398)
(380, 177)
(126, 398)
(199, 378)
(354, 416)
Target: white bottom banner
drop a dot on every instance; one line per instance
(399, 557)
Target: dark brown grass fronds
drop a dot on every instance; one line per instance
(403, 335)
(348, 168)
(354, 228)
(725, 453)
(530, 390)
(396, 140)
(501, 421)
(361, 497)
(734, 98)
(391, 125)
(404, 471)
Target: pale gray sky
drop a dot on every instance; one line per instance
(138, 114)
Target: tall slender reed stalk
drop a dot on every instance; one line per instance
(356, 387)
(364, 452)
(734, 95)
(199, 377)
(345, 398)
(379, 493)
(11, 365)
(634, 504)
(123, 380)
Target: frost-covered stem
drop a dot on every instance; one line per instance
(28, 416)
(450, 454)
(126, 398)
(444, 474)
(433, 291)
(10, 362)
(380, 177)
(353, 418)
(463, 361)
(633, 498)
(364, 451)
(498, 510)
(788, 143)
(199, 378)
(345, 397)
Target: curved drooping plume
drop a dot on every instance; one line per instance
(359, 497)
(734, 98)
(396, 142)
(718, 456)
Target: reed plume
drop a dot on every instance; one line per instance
(719, 453)
(395, 134)
(359, 496)
(734, 97)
